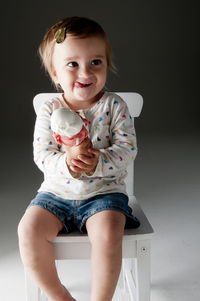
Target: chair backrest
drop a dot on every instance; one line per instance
(134, 102)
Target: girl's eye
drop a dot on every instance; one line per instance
(96, 62)
(72, 64)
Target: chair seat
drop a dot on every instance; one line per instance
(77, 246)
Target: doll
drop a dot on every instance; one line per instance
(68, 127)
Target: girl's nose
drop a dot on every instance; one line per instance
(85, 71)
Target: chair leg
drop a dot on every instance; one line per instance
(143, 270)
(121, 279)
(129, 278)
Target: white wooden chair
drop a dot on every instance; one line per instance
(135, 274)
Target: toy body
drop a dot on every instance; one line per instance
(68, 127)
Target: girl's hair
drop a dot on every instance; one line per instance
(79, 27)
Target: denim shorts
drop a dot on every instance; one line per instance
(74, 213)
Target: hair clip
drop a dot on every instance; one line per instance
(60, 35)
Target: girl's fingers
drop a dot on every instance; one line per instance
(94, 151)
(79, 164)
(86, 160)
(85, 163)
(76, 169)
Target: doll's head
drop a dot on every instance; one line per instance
(68, 127)
(66, 122)
(76, 27)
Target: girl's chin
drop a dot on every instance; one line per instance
(84, 94)
(80, 94)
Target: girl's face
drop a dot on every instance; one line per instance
(80, 67)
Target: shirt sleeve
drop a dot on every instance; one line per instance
(47, 154)
(123, 149)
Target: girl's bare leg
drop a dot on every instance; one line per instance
(37, 228)
(105, 231)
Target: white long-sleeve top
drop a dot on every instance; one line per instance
(111, 130)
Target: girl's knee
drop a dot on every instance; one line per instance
(38, 223)
(110, 242)
(108, 232)
(26, 231)
(30, 240)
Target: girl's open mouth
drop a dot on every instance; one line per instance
(81, 85)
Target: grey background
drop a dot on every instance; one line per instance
(155, 45)
(156, 51)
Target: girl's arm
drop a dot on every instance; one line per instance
(47, 154)
(112, 160)
(123, 147)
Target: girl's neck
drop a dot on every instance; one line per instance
(82, 105)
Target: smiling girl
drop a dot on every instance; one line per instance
(83, 185)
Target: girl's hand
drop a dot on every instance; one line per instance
(86, 164)
(74, 151)
(84, 160)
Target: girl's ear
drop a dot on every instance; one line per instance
(54, 76)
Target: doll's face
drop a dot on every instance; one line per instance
(80, 67)
(65, 122)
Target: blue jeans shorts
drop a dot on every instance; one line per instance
(74, 213)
